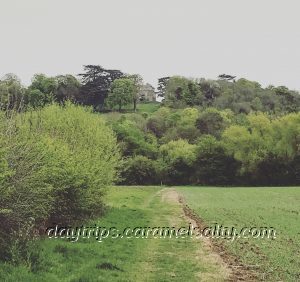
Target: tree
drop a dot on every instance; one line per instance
(227, 77)
(162, 84)
(41, 91)
(68, 88)
(133, 141)
(213, 166)
(181, 91)
(139, 171)
(47, 85)
(158, 122)
(211, 122)
(122, 92)
(286, 132)
(96, 83)
(11, 93)
(36, 99)
(210, 89)
(178, 149)
(138, 82)
(178, 157)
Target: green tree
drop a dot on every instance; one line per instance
(181, 91)
(11, 93)
(178, 149)
(158, 122)
(140, 170)
(212, 122)
(213, 166)
(47, 85)
(138, 82)
(133, 141)
(68, 88)
(41, 91)
(178, 157)
(96, 84)
(121, 93)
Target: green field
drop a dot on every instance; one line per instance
(182, 259)
(274, 260)
(147, 107)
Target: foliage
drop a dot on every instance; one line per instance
(133, 141)
(45, 90)
(96, 83)
(178, 149)
(241, 96)
(212, 165)
(212, 122)
(180, 91)
(136, 88)
(158, 122)
(123, 91)
(11, 93)
(140, 170)
(224, 149)
(202, 126)
(54, 167)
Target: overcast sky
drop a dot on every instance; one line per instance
(255, 39)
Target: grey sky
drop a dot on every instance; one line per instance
(256, 39)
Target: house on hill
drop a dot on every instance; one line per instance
(147, 93)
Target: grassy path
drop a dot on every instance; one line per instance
(133, 259)
(177, 259)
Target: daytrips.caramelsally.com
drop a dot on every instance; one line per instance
(216, 231)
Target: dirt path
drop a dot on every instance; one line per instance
(204, 252)
(182, 259)
(229, 268)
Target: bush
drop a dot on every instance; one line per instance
(178, 157)
(54, 167)
(274, 171)
(179, 172)
(134, 141)
(212, 165)
(140, 171)
(211, 122)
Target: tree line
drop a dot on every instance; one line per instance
(106, 89)
(208, 147)
(97, 87)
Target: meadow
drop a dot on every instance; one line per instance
(182, 259)
(105, 177)
(273, 260)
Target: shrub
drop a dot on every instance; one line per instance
(134, 140)
(54, 167)
(139, 171)
(212, 165)
(211, 122)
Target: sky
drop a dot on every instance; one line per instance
(255, 39)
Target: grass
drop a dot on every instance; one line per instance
(149, 108)
(146, 107)
(277, 259)
(125, 259)
(173, 259)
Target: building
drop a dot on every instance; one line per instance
(147, 93)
